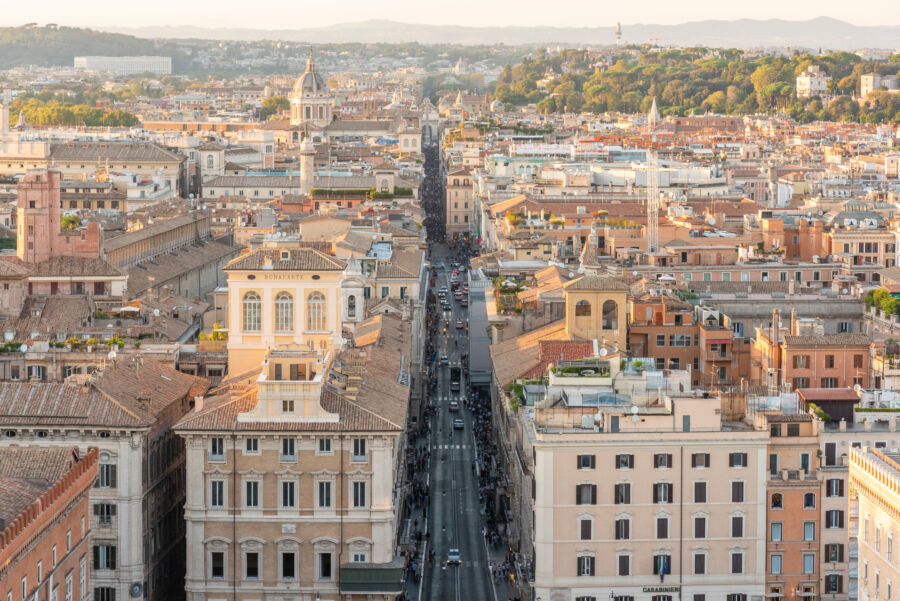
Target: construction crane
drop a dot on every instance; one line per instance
(652, 203)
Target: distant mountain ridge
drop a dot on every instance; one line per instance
(823, 32)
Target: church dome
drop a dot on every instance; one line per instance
(310, 82)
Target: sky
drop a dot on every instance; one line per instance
(299, 14)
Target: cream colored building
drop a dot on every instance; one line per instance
(287, 297)
(875, 484)
(647, 500)
(291, 487)
(460, 209)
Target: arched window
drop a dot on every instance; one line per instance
(251, 312)
(315, 312)
(582, 309)
(209, 161)
(610, 315)
(284, 312)
(351, 306)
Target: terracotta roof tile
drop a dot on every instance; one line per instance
(299, 259)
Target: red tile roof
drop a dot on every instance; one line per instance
(553, 351)
(828, 394)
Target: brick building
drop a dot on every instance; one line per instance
(44, 517)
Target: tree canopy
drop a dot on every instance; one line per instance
(695, 80)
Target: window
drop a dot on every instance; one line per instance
(660, 340)
(662, 564)
(586, 462)
(106, 476)
(857, 361)
(623, 529)
(737, 492)
(829, 382)
(624, 462)
(288, 449)
(586, 494)
(737, 460)
(217, 449)
(809, 563)
(662, 527)
(288, 566)
(324, 494)
(217, 493)
(104, 593)
(737, 563)
(737, 526)
(610, 318)
(359, 449)
(104, 557)
(315, 312)
(585, 529)
(662, 460)
(82, 576)
(582, 309)
(699, 563)
(775, 430)
(699, 460)
(624, 565)
(251, 566)
(324, 445)
(284, 312)
(359, 557)
(775, 532)
(662, 492)
(775, 564)
(251, 493)
(104, 512)
(801, 361)
(809, 500)
(288, 494)
(385, 291)
(844, 327)
(777, 501)
(809, 531)
(359, 494)
(252, 446)
(351, 306)
(834, 552)
(834, 518)
(251, 312)
(829, 361)
(793, 429)
(699, 526)
(585, 566)
(834, 583)
(699, 492)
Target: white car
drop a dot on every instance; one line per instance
(453, 557)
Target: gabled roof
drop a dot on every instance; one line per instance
(298, 259)
(596, 282)
(64, 266)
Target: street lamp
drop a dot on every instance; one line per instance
(612, 596)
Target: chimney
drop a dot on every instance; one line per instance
(794, 321)
(791, 288)
(198, 403)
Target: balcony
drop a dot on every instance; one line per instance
(372, 578)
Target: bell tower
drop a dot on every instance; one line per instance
(596, 309)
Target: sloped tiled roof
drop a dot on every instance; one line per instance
(113, 151)
(596, 282)
(64, 266)
(300, 259)
(554, 351)
(828, 340)
(517, 356)
(142, 381)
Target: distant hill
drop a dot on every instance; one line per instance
(46, 46)
(745, 33)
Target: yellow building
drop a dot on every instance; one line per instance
(287, 298)
(596, 310)
(875, 484)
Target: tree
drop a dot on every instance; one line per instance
(272, 105)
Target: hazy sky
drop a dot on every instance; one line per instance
(296, 14)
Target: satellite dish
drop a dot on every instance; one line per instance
(155, 312)
(111, 355)
(23, 349)
(711, 221)
(603, 352)
(857, 387)
(634, 414)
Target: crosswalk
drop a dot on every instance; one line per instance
(446, 447)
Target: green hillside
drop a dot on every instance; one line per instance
(52, 45)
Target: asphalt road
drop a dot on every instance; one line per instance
(455, 519)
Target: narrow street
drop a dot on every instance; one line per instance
(456, 552)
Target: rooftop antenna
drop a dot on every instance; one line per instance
(618, 34)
